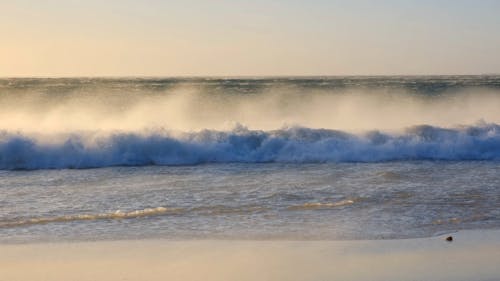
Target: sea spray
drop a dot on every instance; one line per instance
(287, 145)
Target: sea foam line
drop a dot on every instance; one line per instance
(85, 217)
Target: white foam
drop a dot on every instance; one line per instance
(321, 205)
(80, 217)
(288, 145)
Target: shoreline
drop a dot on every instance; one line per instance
(473, 255)
(292, 239)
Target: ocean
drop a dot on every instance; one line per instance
(289, 158)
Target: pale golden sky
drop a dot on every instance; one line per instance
(255, 38)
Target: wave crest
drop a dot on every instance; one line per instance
(321, 205)
(81, 217)
(289, 145)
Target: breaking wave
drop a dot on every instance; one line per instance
(80, 217)
(320, 205)
(288, 145)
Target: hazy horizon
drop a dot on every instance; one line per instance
(247, 77)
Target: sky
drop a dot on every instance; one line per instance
(248, 38)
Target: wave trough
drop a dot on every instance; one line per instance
(288, 145)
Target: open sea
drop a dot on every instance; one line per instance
(328, 158)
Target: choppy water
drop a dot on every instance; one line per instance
(292, 201)
(324, 158)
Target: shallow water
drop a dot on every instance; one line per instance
(250, 201)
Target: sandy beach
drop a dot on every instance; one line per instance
(473, 255)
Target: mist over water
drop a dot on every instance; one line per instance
(261, 158)
(84, 123)
(67, 106)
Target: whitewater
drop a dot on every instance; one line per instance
(291, 145)
(237, 158)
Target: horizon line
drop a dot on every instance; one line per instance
(237, 76)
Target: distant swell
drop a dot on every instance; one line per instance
(290, 145)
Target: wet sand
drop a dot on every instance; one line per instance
(473, 255)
